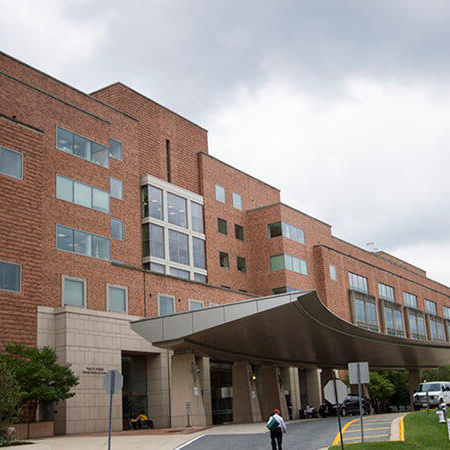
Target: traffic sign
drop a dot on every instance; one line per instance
(363, 373)
(112, 382)
(329, 392)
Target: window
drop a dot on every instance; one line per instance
(286, 230)
(74, 291)
(220, 193)
(115, 149)
(177, 210)
(241, 265)
(358, 283)
(410, 300)
(197, 217)
(179, 273)
(83, 243)
(116, 188)
(195, 305)
(223, 260)
(166, 304)
(392, 318)
(11, 163)
(416, 322)
(222, 226)
(436, 329)
(237, 201)
(365, 313)
(239, 231)
(200, 278)
(430, 307)
(158, 268)
(155, 206)
(156, 241)
(386, 292)
(178, 247)
(117, 298)
(198, 249)
(168, 160)
(83, 148)
(333, 275)
(446, 312)
(10, 275)
(288, 262)
(117, 229)
(284, 290)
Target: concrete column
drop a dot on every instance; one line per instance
(325, 376)
(313, 387)
(245, 400)
(414, 380)
(186, 387)
(205, 379)
(291, 387)
(158, 371)
(272, 394)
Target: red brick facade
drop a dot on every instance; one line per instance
(33, 104)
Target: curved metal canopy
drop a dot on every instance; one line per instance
(294, 329)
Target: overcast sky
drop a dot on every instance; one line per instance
(343, 105)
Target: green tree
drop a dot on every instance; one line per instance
(10, 396)
(40, 377)
(440, 374)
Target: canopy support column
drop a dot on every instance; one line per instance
(246, 406)
(414, 380)
(186, 388)
(272, 395)
(313, 387)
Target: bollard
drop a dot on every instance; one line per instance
(440, 416)
(448, 429)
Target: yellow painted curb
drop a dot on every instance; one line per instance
(402, 429)
(338, 437)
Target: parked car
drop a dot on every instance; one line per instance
(438, 392)
(349, 406)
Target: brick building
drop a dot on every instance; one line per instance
(129, 216)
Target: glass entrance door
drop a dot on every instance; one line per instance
(221, 392)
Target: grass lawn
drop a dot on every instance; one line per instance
(422, 430)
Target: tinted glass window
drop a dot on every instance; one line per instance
(200, 277)
(333, 274)
(198, 247)
(222, 226)
(64, 189)
(64, 140)
(220, 193)
(155, 206)
(82, 243)
(83, 195)
(100, 247)
(100, 200)
(177, 210)
(10, 163)
(81, 147)
(115, 149)
(9, 276)
(100, 154)
(237, 201)
(197, 217)
(178, 247)
(158, 268)
(156, 241)
(239, 232)
(117, 299)
(117, 229)
(64, 238)
(179, 273)
(241, 264)
(116, 188)
(73, 292)
(223, 260)
(166, 305)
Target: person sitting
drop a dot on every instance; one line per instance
(143, 419)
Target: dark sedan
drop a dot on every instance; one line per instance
(349, 406)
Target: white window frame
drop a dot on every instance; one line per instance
(125, 288)
(235, 195)
(68, 277)
(173, 302)
(21, 165)
(121, 189)
(224, 193)
(17, 264)
(191, 300)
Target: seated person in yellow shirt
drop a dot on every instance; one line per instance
(143, 419)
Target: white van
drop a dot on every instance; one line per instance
(438, 392)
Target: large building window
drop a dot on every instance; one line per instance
(365, 312)
(83, 243)
(446, 312)
(166, 208)
(178, 247)
(115, 149)
(83, 148)
(410, 300)
(237, 201)
(386, 292)
(116, 188)
(74, 291)
(286, 230)
(392, 318)
(416, 324)
(220, 193)
(11, 163)
(166, 304)
(288, 262)
(430, 307)
(10, 275)
(81, 194)
(117, 298)
(436, 328)
(358, 283)
(197, 217)
(198, 247)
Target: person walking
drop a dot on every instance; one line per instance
(276, 427)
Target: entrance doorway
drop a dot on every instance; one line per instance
(221, 392)
(134, 392)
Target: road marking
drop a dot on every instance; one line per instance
(366, 437)
(368, 429)
(338, 437)
(189, 442)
